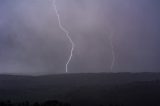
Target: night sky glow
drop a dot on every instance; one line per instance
(110, 36)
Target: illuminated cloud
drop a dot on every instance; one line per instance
(32, 43)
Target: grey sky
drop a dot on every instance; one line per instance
(32, 43)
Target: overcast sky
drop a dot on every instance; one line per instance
(31, 41)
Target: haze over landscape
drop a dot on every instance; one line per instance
(79, 53)
(32, 43)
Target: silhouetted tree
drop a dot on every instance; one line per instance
(27, 103)
(36, 104)
(51, 103)
(2, 103)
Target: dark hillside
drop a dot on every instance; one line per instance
(142, 89)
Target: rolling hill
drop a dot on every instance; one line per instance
(128, 89)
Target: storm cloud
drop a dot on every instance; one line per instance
(31, 41)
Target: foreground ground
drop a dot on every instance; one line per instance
(121, 89)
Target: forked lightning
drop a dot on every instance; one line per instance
(66, 33)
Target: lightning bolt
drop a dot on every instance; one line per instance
(66, 33)
(113, 52)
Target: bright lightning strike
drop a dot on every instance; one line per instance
(66, 33)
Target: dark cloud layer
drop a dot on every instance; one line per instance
(32, 43)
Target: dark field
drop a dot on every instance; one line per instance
(120, 89)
